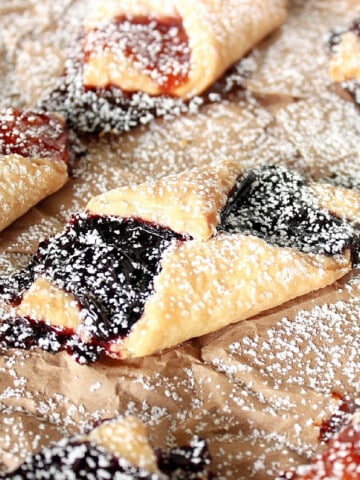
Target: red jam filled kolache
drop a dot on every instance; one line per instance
(34, 158)
(174, 48)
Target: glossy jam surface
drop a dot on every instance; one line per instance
(25, 333)
(32, 134)
(106, 263)
(275, 204)
(72, 459)
(109, 263)
(159, 48)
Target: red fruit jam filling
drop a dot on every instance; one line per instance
(158, 47)
(340, 459)
(31, 134)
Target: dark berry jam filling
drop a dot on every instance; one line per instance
(158, 47)
(276, 205)
(25, 333)
(108, 264)
(355, 26)
(31, 134)
(188, 462)
(70, 459)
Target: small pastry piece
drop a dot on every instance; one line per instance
(339, 458)
(34, 160)
(143, 59)
(136, 273)
(117, 449)
(178, 48)
(345, 60)
(341, 201)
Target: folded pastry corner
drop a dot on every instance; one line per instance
(175, 48)
(203, 287)
(345, 61)
(345, 58)
(188, 203)
(34, 160)
(117, 448)
(211, 247)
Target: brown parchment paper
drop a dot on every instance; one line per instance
(258, 390)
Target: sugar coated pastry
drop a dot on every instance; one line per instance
(150, 266)
(137, 60)
(345, 60)
(117, 449)
(34, 160)
(178, 48)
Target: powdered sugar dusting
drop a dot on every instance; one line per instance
(258, 390)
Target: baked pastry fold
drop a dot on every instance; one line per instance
(33, 161)
(132, 278)
(25, 182)
(209, 37)
(119, 449)
(345, 60)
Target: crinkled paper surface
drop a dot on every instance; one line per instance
(258, 390)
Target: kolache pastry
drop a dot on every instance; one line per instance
(339, 458)
(146, 58)
(34, 159)
(345, 59)
(117, 449)
(147, 267)
(178, 47)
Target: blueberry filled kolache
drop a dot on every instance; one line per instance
(345, 59)
(117, 449)
(147, 267)
(34, 159)
(178, 48)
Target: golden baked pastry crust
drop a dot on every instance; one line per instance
(341, 201)
(189, 202)
(34, 160)
(345, 62)
(25, 182)
(204, 286)
(210, 280)
(220, 32)
(126, 437)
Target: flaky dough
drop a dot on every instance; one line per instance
(220, 32)
(25, 182)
